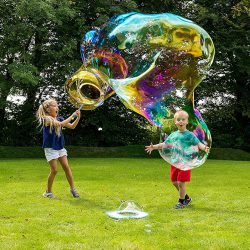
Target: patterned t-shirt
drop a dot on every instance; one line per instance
(185, 138)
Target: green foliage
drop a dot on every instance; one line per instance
(39, 49)
(225, 90)
(31, 34)
(169, 127)
(162, 6)
(226, 87)
(24, 73)
(39, 44)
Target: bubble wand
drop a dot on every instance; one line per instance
(78, 110)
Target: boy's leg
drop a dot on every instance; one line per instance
(183, 177)
(174, 175)
(182, 192)
(52, 174)
(175, 183)
(182, 189)
(65, 165)
(179, 179)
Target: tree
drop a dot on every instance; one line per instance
(36, 44)
(39, 50)
(225, 91)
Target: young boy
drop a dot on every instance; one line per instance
(177, 176)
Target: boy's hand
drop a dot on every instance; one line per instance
(203, 147)
(207, 149)
(149, 148)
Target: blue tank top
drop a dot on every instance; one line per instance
(51, 139)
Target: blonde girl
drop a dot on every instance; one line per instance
(53, 142)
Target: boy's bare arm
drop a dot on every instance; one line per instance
(203, 147)
(152, 147)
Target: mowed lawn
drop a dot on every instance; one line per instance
(218, 218)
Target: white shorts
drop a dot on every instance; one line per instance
(52, 154)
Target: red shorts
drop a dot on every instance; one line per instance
(179, 175)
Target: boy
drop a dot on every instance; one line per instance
(180, 177)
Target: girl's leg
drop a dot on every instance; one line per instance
(182, 189)
(52, 174)
(65, 165)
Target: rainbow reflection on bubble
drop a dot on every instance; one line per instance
(153, 62)
(184, 154)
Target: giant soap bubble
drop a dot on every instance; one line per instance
(182, 150)
(153, 62)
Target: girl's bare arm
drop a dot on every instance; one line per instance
(74, 124)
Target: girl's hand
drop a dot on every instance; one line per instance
(149, 148)
(73, 116)
(78, 113)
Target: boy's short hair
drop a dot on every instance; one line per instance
(181, 111)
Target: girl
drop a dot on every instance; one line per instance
(53, 142)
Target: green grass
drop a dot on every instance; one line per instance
(131, 151)
(218, 218)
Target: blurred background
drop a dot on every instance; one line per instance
(39, 50)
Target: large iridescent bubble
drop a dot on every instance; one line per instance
(184, 153)
(153, 62)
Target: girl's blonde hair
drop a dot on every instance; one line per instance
(45, 119)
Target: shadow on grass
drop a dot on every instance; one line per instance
(195, 208)
(82, 202)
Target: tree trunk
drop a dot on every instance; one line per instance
(3, 101)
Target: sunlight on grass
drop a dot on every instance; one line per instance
(218, 218)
